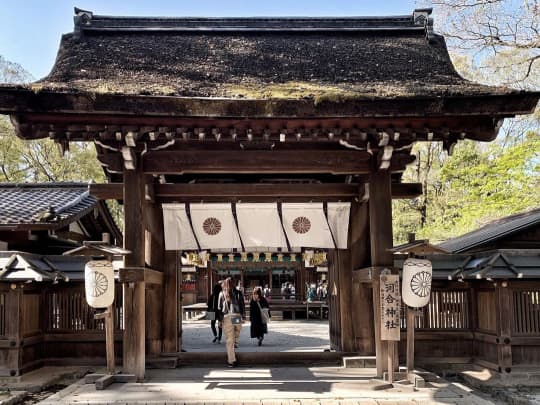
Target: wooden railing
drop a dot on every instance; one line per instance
(447, 309)
(67, 310)
(526, 316)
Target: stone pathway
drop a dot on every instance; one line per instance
(264, 386)
(283, 336)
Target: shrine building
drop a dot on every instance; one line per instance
(277, 143)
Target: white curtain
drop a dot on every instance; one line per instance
(338, 218)
(214, 226)
(260, 226)
(178, 233)
(306, 225)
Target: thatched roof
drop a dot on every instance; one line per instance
(260, 58)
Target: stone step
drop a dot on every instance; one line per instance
(258, 358)
(359, 362)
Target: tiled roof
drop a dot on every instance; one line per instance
(44, 204)
(21, 266)
(493, 231)
(505, 264)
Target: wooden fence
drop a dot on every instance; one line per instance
(67, 310)
(526, 312)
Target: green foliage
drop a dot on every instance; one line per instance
(478, 183)
(41, 160)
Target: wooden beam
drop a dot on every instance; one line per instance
(17, 100)
(224, 192)
(256, 161)
(307, 161)
(138, 274)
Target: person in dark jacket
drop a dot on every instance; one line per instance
(258, 326)
(213, 306)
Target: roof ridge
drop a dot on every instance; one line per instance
(508, 224)
(87, 21)
(44, 185)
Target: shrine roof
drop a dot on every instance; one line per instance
(258, 58)
(495, 264)
(492, 231)
(43, 205)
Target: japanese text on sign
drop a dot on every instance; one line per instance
(390, 307)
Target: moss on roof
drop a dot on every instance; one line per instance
(260, 65)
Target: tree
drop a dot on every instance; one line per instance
(502, 36)
(478, 183)
(11, 72)
(40, 160)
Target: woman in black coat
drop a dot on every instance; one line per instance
(213, 306)
(258, 327)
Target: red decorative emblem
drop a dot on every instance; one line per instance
(211, 226)
(301, 225)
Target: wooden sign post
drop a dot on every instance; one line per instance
(390, 315)
(108, 317)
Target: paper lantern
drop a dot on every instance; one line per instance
(256, 256)
(416, 286)
(268, 257)
(99, 283)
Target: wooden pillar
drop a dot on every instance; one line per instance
(504, 327)
(171, 305)
(134, 292)
(362, 301)
(154, 257)
(13, 325)
(334, 313)
(342, 260)
(380, 225)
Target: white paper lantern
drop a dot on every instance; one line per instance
(416, 286)
(99, 283)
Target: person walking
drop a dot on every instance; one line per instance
(259, 325)
(231, 303)
(218, 315)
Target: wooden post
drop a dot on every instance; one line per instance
(13, 322)
(134, 292)
(109, 339)
(362, 320)
(504, 327)
(171, 304)
(343, 262)
(411, 313)
(391, 350)
(380, 228)
(108, 319)
(154, 257)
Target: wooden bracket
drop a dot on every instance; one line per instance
(130, 159)
(138, 274)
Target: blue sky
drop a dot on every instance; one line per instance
(30, 30)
